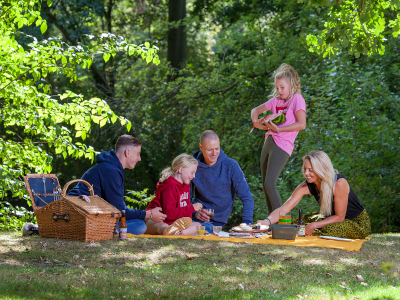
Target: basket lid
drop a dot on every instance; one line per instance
(97, 205)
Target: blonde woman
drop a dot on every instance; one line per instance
(279, 139)
(173, 196)
(341, 213)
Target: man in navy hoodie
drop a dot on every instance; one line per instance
(218, 180)
(107, 179)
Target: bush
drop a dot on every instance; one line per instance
(139, 200)
(13, 218)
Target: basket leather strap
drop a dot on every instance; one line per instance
(84, 198)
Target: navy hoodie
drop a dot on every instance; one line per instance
(107, 178)
(216, 187)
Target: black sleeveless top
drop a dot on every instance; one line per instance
(354, 206)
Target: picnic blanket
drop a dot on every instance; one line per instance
(308, 241)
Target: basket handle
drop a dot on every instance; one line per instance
(64, 190)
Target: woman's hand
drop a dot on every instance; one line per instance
(310, 228)
(264, 222)
(197, 206)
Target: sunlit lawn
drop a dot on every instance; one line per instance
(38, 268)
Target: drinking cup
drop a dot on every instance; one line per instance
(201, 230)
(285, 218)
(217, 229)
(210, 212)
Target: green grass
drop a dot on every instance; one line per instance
(38, 268)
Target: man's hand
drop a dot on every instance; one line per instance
(197, 206)
(202, 215)
(158, 216)
(310, 228)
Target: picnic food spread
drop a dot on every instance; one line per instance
(244, 228)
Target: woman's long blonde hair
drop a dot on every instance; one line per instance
(181, 161)
(286, 71)
(322, 166)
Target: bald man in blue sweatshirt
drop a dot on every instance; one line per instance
(218, 180)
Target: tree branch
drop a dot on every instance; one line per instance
(103, 82)
(218, 91)
(22, 74)
(5, 12)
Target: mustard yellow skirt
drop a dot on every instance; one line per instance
(357, 228)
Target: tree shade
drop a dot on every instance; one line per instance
(33, 118)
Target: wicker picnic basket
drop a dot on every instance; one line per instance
(82, 218)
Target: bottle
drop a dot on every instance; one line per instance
(123, 228)
(301, 225)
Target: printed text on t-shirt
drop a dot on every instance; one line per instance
(281, 109)
(184, 196)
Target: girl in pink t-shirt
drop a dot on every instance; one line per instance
(279, 139)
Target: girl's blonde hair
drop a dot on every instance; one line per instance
(322, 166)
(286, 71)
(181, 161)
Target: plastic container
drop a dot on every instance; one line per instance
(284, 232)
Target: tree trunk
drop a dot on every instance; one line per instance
(110, 74)
(177, 45)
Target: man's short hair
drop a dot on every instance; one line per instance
(127, 140)
(208, 134)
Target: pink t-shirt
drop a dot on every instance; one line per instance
(285, 140)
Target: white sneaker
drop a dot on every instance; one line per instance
(178, 226)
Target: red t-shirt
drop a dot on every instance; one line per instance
(282, 109)
(174, 199)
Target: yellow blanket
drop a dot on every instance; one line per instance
(308, 241)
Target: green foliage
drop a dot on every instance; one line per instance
(138, 200)
(13, 218)
(34, 120)
(354, 122)
(359, 26)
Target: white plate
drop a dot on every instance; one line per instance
(237, 228)
(335, 238)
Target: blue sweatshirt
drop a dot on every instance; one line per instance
(217, 186)
(107, 178)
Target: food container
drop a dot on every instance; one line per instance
(284, 232)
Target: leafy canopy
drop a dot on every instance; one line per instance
(32, 117)
(361, 26)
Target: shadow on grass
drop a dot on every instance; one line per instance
(34, 268)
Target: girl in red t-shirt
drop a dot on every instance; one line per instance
(173, 196)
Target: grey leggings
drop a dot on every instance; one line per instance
(273, 159)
